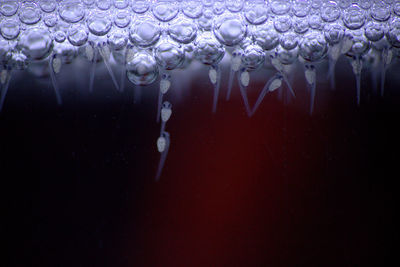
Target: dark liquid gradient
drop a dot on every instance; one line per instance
(279, 189)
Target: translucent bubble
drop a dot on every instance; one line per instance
(313, 46)
(330, 11)
(29, 14)
(234, 5)
(65, 51)
(72, 12)
(374, 31)
(140, 6)
(219, 7)
(50, 20)
(280, 7)
(396, 8)
(103, 4)
(301, 7)
(192, 9)
(315, 22)
(99, 24)
(47, 5)
(142, 69)
(77, 35)
(208, 3)
(287, 57)
(144, 33)
(256, 13)
(334, 33)
(9, 7)
(289, 40)
(205, 22)
(360, 45)
(169, 55)
(122, 18)
(121, 4)
(35, 43)
(393, 35)
(300, 25)
(59, 36)
(344, 3)
(316, 4)
(266, 36)
(9, 29)
(208, 50)
(253, 57)
(354, 17)
(283, 23)
(117, 39)
(365, 4)
(380, 11)
(165, 10)
(230, 30)
(183, 31)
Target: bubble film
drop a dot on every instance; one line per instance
(146, 40)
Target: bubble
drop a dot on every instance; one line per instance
(380, 11)
(393, 34)
(300, 25)
(205, 22)
(165, 10)
(72, 12)
(183, 31)
(289, 40)
(334, 33)
(280, 7)
(35, 43)
(142, 69)
(9, 29)
(219, 7)
(234, 5)
(47, 5)
(374, 31)
(396, 8)
(122, 19)
(103, 4)
(301, 8)
(287, 57)
(77, 35)
(266, 36)
(59, 36)
(330, 11)
(117, 39)
(365, 4)
(29, 14)
(230, 30)
(360, 45)
(50, 20)
(208, 50)
(144, 33)
(253, 57)
(121, 4)
(283, 23)
(169, 55)
(192, 9)
(140, 6)
(353, 17)
(9, 8)
(99, 24)
(315, 22)
(313, 46)
(256, 13)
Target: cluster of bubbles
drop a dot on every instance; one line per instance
(150, 38)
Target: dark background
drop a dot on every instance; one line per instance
(279, 189)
